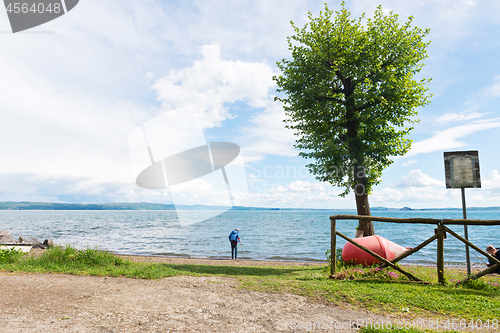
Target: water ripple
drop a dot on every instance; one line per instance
(287, 235)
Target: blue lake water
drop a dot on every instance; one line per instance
(279, 235)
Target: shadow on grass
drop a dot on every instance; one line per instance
(232, 270)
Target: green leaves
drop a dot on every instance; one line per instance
(350, 92)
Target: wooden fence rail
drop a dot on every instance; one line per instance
(440, 236)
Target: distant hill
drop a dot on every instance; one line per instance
(27, 205)
(432, 209)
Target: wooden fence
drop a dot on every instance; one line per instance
(439, 236)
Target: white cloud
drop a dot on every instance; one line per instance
(306, 187)
(482, 99)
(202, 192)
(447, 139)
(251, 178)
(495, 177)
(493, 91)
(409, 162)
(449, 117)
(266, 134)
(412, 194)
(420, 190)
(490, 190)
(50, 131)
(243, 28)
(298, 194)
(67, 107)
(211, 83)
(489, 199)
(493, 183)
(447, 19)
(416, 178)
(73, 189)
(71, 97)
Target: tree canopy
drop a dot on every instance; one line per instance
(350, 95)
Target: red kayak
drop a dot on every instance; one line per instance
(381, 246)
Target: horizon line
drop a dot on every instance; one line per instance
(376, 208)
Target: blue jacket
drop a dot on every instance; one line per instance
(234, 236)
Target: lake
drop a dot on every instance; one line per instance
(265, 234)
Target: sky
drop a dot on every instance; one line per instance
(73, 91)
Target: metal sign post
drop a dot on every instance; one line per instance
(466, 232)
(461, 171)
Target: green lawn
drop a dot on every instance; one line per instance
(381, 292)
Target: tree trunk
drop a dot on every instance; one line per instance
(365, 228)
(363, 208)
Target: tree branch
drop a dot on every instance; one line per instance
(341, 78)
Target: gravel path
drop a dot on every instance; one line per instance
(69, 303)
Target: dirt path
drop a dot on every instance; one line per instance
(68, 303)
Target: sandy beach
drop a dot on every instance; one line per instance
(68, 303)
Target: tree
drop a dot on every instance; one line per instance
(350, 95)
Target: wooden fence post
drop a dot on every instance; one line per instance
(440, 253)
(333, 247)
(385, 261)
(410, 252)
(479, 274)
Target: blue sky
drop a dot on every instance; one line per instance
(74, 89)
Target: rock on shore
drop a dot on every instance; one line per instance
(6, 238)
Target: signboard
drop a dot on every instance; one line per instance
(461, 169)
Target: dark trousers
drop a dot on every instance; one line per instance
(234, 250)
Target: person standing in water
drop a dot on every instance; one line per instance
(234, 238)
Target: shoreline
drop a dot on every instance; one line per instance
(218, 261)
(199, 260)
(254, 262)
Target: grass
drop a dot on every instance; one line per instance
(82, 262)
(379, 293)
(382, 295)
